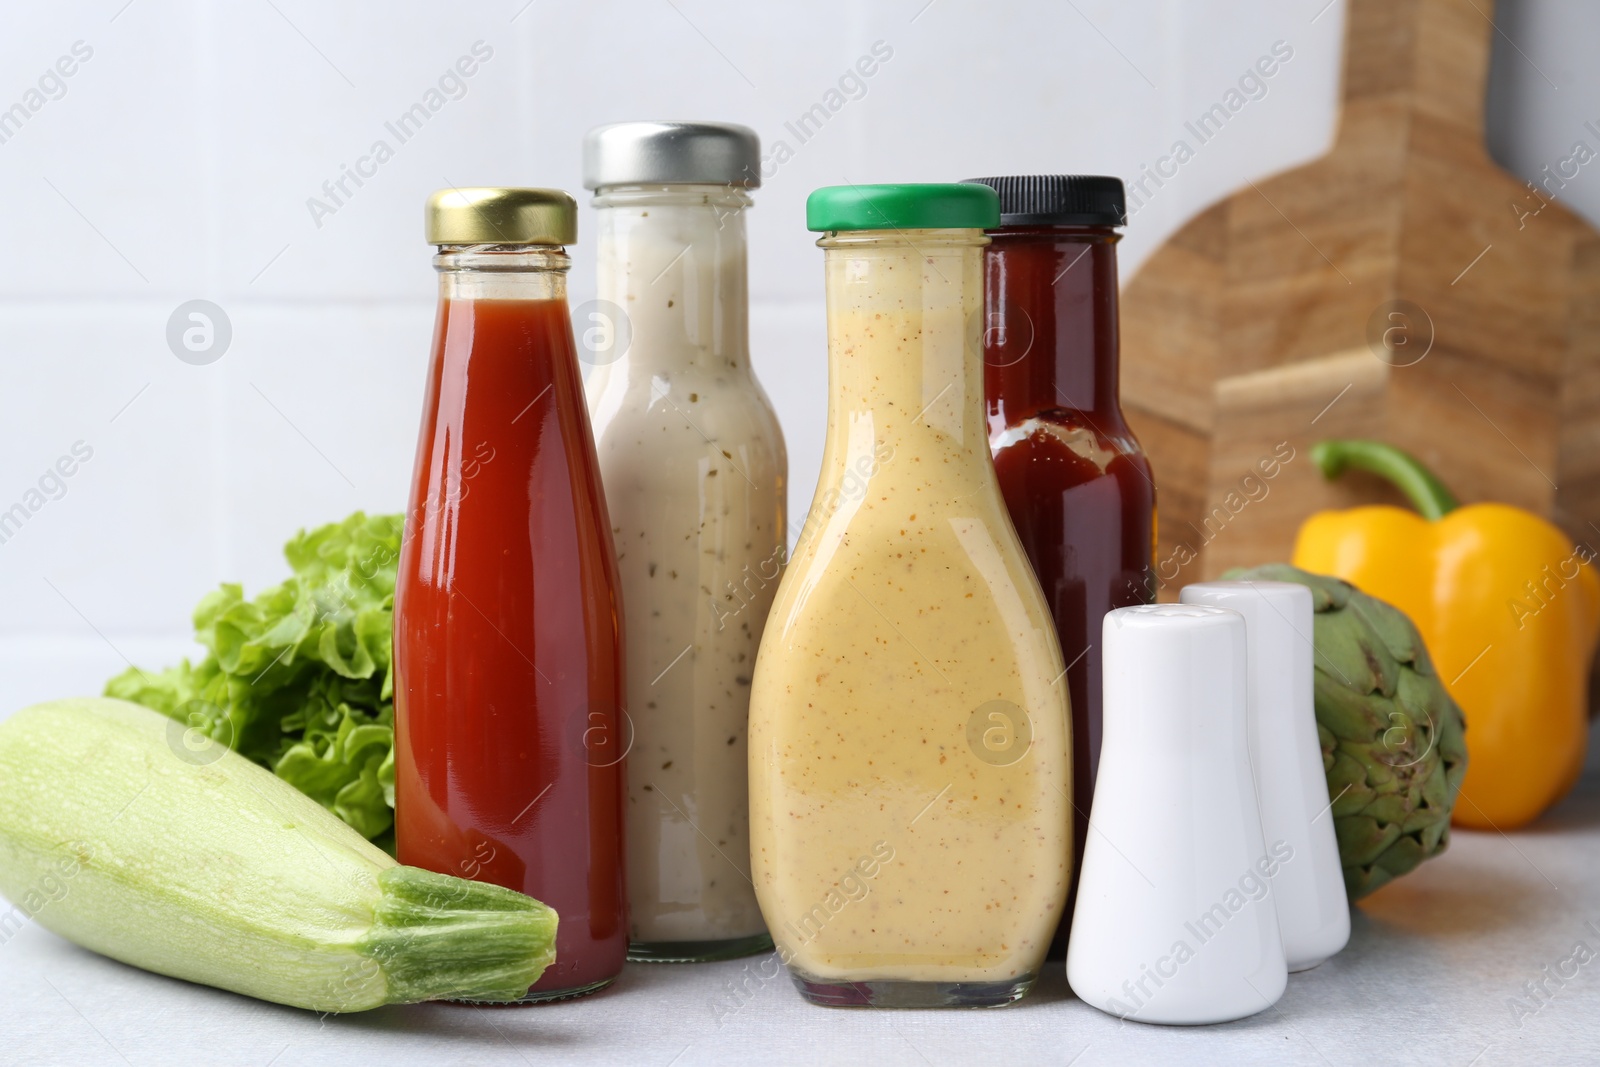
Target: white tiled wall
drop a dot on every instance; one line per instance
(176, 163)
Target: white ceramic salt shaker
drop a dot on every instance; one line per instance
(1291, 786)
(1175, 920)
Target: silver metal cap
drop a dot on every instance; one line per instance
(670, 153)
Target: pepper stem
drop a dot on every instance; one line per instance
(1402, 470)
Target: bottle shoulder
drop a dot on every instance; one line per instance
(717, 409)
(683, 461)
(953, 580)
(876, 518)
(1097, 437)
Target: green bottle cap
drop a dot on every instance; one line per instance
(903, 207)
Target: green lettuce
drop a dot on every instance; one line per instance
(300, 678)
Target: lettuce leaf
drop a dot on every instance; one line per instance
(300, 678)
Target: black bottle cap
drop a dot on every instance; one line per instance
(1059, 199)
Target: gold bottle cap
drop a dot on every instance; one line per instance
(496, 216)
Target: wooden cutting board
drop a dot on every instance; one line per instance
(1403, 287)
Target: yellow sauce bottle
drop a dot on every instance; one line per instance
(909, 740)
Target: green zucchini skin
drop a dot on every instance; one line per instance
(124, 832)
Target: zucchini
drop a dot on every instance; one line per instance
(118, 834)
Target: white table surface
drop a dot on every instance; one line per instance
(1429, 977)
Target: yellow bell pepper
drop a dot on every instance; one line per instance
(1509, 608)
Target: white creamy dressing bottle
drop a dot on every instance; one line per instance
(909, 740)
(694, 469)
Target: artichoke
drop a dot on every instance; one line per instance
(1393, 742)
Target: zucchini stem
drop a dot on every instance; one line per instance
(442, 938)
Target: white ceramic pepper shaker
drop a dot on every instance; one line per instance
(1175, 920)
(1291, 786)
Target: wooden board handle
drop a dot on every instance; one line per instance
(1429, 55)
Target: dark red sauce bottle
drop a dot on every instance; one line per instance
(1075, 480)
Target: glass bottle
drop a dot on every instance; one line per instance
(694, 470)
(1076, 482)
(509, 722)
(910, 759)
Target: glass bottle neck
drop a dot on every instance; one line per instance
(673, 258)
(1051, 336)
(904, 358)
(502, 272)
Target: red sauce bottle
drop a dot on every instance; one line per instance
(1075, 480)
(509, 723)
